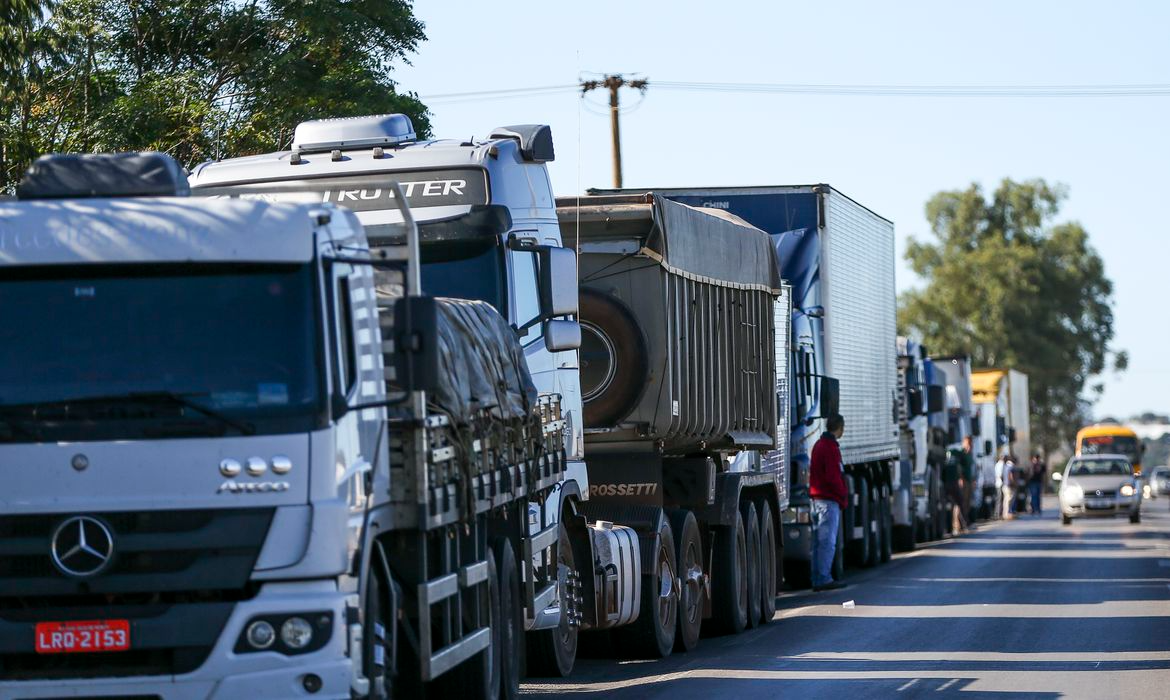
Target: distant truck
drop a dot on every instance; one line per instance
(930, 501)
(961, 420)
(839, 258)
(918, 463)
(1001, 402)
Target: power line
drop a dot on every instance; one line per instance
(1099, 90)
(841, 90)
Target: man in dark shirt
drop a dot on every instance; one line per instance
(826, 487)
(952, 478)
(1036, 481)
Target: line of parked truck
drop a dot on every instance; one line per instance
(383, 417)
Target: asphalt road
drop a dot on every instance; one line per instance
(1017, 609)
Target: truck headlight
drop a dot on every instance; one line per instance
(296, 633)
(260, 634)
(1127, 490)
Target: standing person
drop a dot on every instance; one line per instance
(952, 476)
(1007, 492)
(826, 487)
(967, 464)
(1036, 482)
(999, 506)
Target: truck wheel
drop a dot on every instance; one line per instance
(873, 530)
(376, 638)
(859, 517)
(690, 575)
(511, 620)
(886, 525)
(905, 537)
(767, 563)
(552, 652)
(614, 362)
(752, 533)
(479, 677)
(651, 635)
(729, 573)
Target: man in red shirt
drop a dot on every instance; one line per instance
(826, 487)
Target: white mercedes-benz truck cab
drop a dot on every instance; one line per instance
(176, 492)
(488, 231)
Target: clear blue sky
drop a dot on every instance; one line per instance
(890, 153)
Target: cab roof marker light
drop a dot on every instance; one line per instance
(350, 133)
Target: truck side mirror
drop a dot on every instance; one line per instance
(936, 398)
(558, 282)
(560, 335)
(830, 396)
(1011, 435)
(987, 449)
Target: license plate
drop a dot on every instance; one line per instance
(83, 637)
(1100, 504)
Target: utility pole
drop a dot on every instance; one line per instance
(612, 83)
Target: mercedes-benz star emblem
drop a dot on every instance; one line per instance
(82, 546)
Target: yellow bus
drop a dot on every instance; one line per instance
(1110, 439)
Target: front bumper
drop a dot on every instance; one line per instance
(1101, 507)
(226, 675)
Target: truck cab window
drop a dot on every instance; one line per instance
(526, 286)
(345, 349)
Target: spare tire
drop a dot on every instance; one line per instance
(614, 363)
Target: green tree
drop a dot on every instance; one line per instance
(198, 79)
(1011, 288)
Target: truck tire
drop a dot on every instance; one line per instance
(906, 536)
(858, 549)
(511, 620)
(552, 652)
(692, 591)
(614, 362)
(479, 677)
(729, 584)
(768, 561)
(376, 638)
(873, 530)
(751, 524)
(886, 525)
(651, 635)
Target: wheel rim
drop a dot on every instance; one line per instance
(566, 632)
(666, 601)
(692, 580)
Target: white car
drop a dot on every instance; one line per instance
(1099, 486)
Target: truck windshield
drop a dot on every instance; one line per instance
(118, 352)
(468, 269)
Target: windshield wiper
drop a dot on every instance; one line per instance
(180, 399)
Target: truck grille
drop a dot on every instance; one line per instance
(175, 575)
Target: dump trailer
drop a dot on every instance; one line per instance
(332, 473)
(838, 256)
(683, 364)
(918, 399)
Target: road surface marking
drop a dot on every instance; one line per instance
(907, 684)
